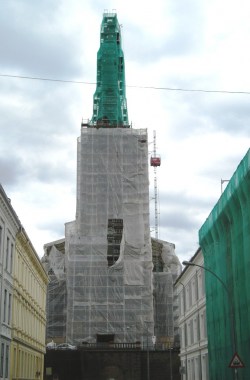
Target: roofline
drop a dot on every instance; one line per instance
(186, 267)
(8, 201)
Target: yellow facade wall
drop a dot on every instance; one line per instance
(28, 312)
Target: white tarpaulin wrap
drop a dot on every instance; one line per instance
(102, 279)
(108, 248)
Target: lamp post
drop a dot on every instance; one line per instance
(232, 317)
(185, 329)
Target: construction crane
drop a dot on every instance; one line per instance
(109, 103)
(155, 161)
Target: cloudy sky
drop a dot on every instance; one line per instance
(170, 46)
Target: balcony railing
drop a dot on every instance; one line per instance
(110, 346)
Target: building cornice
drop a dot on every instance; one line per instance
(9, 211)
(24, 241)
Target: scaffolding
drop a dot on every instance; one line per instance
(54, 263)
(108, 247)
(109, 103)
(225, 243)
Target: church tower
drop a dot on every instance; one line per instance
(108, 247)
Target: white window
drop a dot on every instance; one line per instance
(201, 284)
(6, 361)
(11, 257)
(4, 305)
(204, 367)
(195, 330)
(190, 333)
(197, 368)
(1, 238)
(9, 309)
(194, 288)
(7, 253)
(203, 326)
(2, 360)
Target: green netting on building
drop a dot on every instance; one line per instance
(110, 105)
(225, 242)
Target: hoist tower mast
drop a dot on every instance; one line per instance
(155, 161)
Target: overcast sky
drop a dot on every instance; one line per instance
(172, 44)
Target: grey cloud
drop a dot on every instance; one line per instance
(184, 241)
(32, 43)
(15, 170)
(38, 142)
(55, 227)
(52, 172)
(182, 199)
(224, 168)
(181, 218)
(43, 115)
(201, 112)
(188, 26)
(230, 114)
(184, 35)
(178, 219)
(11, 169)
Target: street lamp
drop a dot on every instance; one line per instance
(232, 317)
(185, 329)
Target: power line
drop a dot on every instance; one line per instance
(45, 79)
(133, 86)
(193, 90)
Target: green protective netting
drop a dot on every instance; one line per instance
(110, 105)
(225, 242)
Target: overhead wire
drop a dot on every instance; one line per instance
(130, 86)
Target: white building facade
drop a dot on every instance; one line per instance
(190, 288)
(9, 225)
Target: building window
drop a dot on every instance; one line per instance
(187, 297)
(6, 361)
(9, 309)
(2, 360)
(191, 331)
(183, 343)
(11, 257)
(198, 368)
(205, 370)
(14, 362)
(4, 305)
(7, 253)
(1, 237)
(185, 334)
(195, 288)
(182, 303)
(184, 300)
(190, 294)
(201, 283)
(203, 326)
(195, 330)
(198, 328)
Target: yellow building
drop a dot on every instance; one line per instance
(28, 312)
